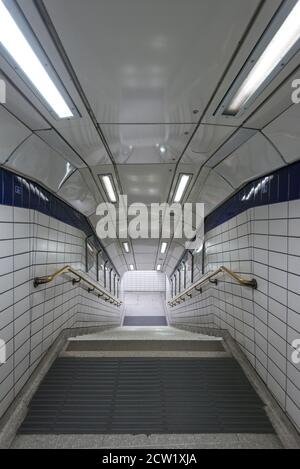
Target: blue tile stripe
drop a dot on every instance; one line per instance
(18, 191)
(280, 186)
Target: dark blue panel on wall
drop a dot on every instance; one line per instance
(280, 186)
(294, 184)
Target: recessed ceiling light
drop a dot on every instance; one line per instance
(126, 247)
(107, 181)
(277, 49)
(15, 43)
(162, 149)
(163, 248)
(131, 267)
(158, 267)
(183, 182)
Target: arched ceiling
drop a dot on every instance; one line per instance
(142, 74)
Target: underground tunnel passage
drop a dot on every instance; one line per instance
(149, 224)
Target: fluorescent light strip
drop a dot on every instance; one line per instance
(163, 247)
(131, 267)
(184, 179)
(109, 188)
(126, 247)
(158, 267)
(18, 47)
(283, 41)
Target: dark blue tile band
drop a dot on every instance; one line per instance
(280, 186)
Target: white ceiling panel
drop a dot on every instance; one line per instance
(149, 61)
(36, 159)
(76, 192)
(86, 141)
(151, 143)
(146, 183)
(12, 133)
(262, 20)
(205, 142)
(145, 246)
(254, 158)
(284, 132)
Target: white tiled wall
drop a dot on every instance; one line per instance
(144, 303)
(264, 243)
(33, 244)
(144, 280)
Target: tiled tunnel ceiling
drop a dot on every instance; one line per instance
(146, 78)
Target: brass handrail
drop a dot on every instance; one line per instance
(208, 278)
(92, 286)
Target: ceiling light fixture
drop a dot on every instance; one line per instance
(277, 49)
(15, 43)
(126, 247)
(162, 149)
(158, 267)
(107, 181)
(163, 247)
(131, 267)
(183, 182)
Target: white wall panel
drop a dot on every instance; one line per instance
(76, 192)
(58, 144)
(36, 159)
(214, 191)
(19, 106)
(151, 281)
(254, 158)
(12, 133)
(144, 304)
(284, 132)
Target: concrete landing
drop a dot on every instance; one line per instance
(145, 333)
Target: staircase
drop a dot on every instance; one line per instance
(142, 387)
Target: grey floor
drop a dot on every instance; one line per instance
(208, 440)
(145, 321)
